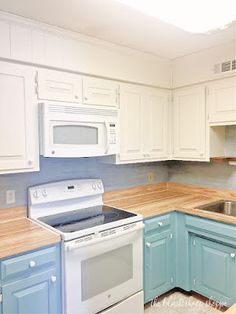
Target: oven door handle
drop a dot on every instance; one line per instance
(72, 245)
(107, 137)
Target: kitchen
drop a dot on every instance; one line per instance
(117, 157)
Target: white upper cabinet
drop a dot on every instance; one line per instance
(189, 124)
(222, 101)
(59, 86)
(155, 131)
(131, 123)
(143, 124)
(100, 92)
(18, 119)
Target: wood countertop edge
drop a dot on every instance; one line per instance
(231, 310)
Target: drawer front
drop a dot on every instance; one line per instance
(28, 263)
(211, 226)
(157, 223)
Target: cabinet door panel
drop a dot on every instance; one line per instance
(99, 92)
(131, 125)
(18, 122)
(222, 101)
(156, 124)
(36, 294)
(59, 86)
(189, 132)
(214, 270)
(158, 273)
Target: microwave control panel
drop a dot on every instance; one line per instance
(112, 139)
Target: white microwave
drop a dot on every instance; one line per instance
(76, 131)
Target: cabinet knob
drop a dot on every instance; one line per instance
(30, 162)
(76, 97)
(85, 98)
(53, 278)
(232, 255)
(32, 264)
(148, 244)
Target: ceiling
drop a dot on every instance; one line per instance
(114, 22)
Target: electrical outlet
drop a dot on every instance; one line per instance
(10, 196)
(150, 177)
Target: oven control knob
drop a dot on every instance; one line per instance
(99, 186)
(94, 187)
(44, 193)
(36, 194)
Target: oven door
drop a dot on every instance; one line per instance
(103, 273)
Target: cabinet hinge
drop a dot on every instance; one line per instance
(207, 91)
(171, 279)
(118, 96)
(194, 282)
(36, 83)
(1, 298)
(171, 235)
(194, 242)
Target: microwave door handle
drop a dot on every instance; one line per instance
(107, 137)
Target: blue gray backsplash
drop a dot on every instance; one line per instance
(122, 176)
(54, 169)
(207, 174)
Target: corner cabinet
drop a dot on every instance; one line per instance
(190, 124)
(143, 124)
(159, 253)
(31, 283)
(222, 101)
(214, 270)
(18, 119)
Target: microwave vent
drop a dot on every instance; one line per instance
(81, 110)
(225, 67)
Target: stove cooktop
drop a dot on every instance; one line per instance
(75, 221)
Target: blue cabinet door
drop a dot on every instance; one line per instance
(214, 270)
(158, 272)
(38, 294)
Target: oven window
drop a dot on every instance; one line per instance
(106, 271)
(75, 135)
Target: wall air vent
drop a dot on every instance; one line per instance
(225, 67)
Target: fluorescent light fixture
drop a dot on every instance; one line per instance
(195, 16)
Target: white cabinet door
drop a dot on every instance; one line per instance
(59, 86)
(222, 101)
(18, 120)
(155, 132)
(131, 122)
(189, 129)
(100, 92)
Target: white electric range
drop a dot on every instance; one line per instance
(102, 247)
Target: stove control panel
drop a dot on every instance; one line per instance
(65, 191)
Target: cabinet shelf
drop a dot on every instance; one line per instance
(222, 159)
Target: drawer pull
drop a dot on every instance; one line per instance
(32, 264)
(53, 278)
(148, 244)
(160, 224)
(232, 255)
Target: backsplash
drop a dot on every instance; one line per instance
(207, 174)
(54, 169)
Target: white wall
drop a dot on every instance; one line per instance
(198, 67)
(24, 40)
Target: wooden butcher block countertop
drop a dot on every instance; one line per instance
(157, 199)
(231, 310)
(19, 234)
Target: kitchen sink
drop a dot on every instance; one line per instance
(222, 207)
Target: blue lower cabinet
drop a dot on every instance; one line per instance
(31, 283)
(159, 251)
(214, 270)
(36, 294)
